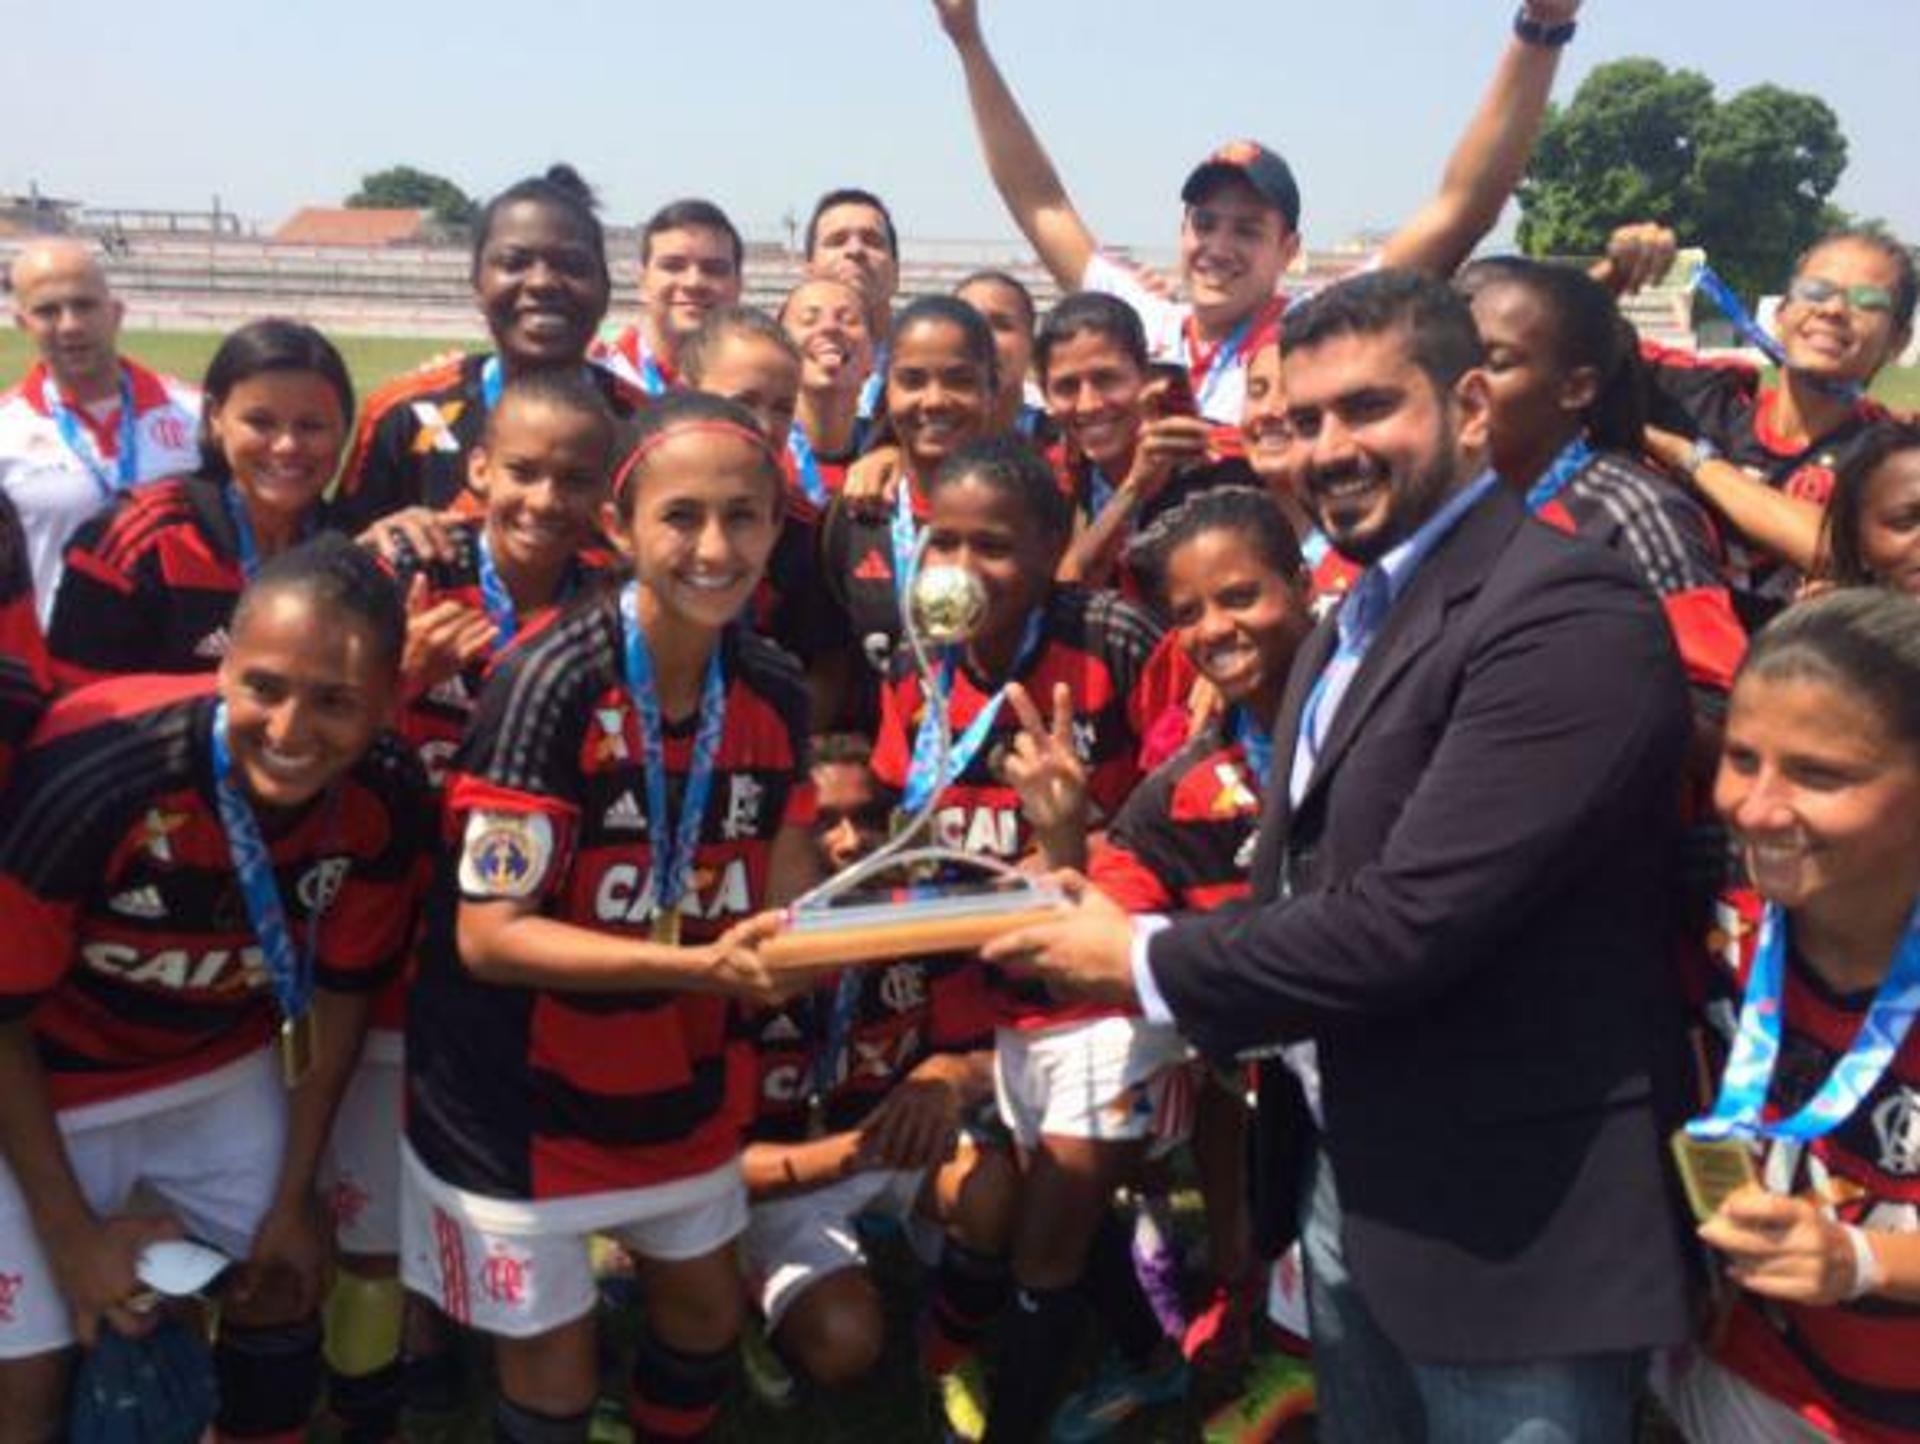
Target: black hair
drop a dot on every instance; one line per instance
(1863, 640)
(1906, 283)
(1845, 563)
(724, 321)
(1091, 313)
(954, 312)
(1441, 335)
(691, 214)
(1588, 330)
(990, 277)
(257, 348)
(561, 188)
(841, 749)
(851, 196)
(564, 390)
(682, 408)
(1010, 466)
(342, 580)
(1246, 511)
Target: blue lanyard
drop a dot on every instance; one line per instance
(653, 380)
(874, 388)
(906, 536)
(493, 380)
(826, 1061)
(126, 461)
(1756, 1044)
(1314, 547)
(1571, 461)
(1716, 290)
(922, 783)
(671, 864)
(1099, 491)
(245, 546)
(289, 971)
(1256, 742)
(806, 465)
(1224, 357)
(493, 591)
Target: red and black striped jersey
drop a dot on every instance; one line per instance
(410, 447)
(902, 1013)
(24, 676)
(131, 946)
(434, 722)
(150, 585)
(1098, 645)
(1673, 545)
(1184, 840)
(1727, 402)
(1853, 1369)
(540, 1093)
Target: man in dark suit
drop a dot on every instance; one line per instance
(1461, 897)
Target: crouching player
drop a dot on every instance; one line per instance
(864, 1085)
(188, 867)
(630, 791)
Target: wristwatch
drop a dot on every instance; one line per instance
(1538, 32)
(1698, 455)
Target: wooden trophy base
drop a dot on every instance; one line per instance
(912, 923)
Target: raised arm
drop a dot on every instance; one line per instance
(1491, 156)
(1021, 171)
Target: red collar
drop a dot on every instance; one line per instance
(1265, 329)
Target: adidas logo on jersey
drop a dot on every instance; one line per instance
(781, 1030)
(214, 645)
(873, 568)
(625, 814)
(139, 902)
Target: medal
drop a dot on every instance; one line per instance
(1712, 1170)
(296, 1047)
(665, 928)
(671, 842)
(126, 459)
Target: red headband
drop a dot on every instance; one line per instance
(699, 425)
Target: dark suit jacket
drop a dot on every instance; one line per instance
(1469, 911)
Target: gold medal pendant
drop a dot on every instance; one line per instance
(666, 926)
(296, 1048)
(1712, 1170)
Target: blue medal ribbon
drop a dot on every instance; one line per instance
(1708, 282)
(246, 546)
(874, 389)
(826, 1061)
(1314, 547)
(1739, 1110)
(493, 381)
(1099, 490)
(289, 970)
(126, 461)
(1256, 742)
(806, 465)
(906, 537)
(1223, 357)
(653, 380)
(672, 846)
(1571, 461)
(922, 781)
(493, 591)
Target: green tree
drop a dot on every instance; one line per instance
(1748, 177)
(403, 187)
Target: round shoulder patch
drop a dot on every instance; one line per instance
(505, 854)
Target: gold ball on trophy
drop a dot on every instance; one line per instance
(948, 603)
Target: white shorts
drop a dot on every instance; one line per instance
(1714, 1405)
(360, 1172)
(1112, 1079)
(207, 1153)
(793, 1242)
(520, 1269)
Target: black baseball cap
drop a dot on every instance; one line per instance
(1249, 161)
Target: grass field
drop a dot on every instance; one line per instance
(373, 359)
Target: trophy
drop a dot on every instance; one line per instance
(851, 918)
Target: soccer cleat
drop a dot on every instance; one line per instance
(768, 1376)
(1279, 1390)
(1115, 1396)
(963, 1401)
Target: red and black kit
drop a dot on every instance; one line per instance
(150, 585)
(1184, 840)
(537, 1094)
(24, 679)
(1848, 1367)
(1726, 402)
(902, 1014)
(131, 946)
(1099, 646)
(410, 448)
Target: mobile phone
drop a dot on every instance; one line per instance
(1176, 391)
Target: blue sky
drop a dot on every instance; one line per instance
(763, 103)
